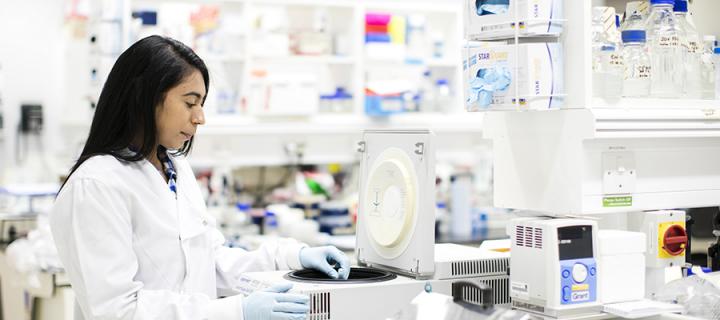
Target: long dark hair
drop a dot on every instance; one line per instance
(136, 85)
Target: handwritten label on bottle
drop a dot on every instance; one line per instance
(668, 41)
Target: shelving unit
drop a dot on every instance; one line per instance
(578, 159)
(238, 62)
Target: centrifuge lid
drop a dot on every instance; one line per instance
(396, 213)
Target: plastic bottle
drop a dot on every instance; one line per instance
(443, 99)
(692, 56)
(427, 93)
(442, 220)
(708, 68)
(664, 38)
(607, 59)
(270, 224)
(636, 82)
(461, 205)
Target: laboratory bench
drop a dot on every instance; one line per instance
(51, 297)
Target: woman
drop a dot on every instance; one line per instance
(130, 225)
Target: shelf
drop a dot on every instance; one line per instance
(338, 124)
(260, 160)
(562, 161)
(656, 123)
(432, 63)
(305, 3)
(306, 59)
(416, 7)
(650, 103)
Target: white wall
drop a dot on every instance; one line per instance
(705, 15)
(31, 54)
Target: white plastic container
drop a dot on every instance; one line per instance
(621, 266)
(534, 17)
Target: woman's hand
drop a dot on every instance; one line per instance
(324, 259)
(275, 303)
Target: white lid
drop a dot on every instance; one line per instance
(615, 242)
(396, 209)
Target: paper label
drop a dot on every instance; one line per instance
(611, 202)
(639, 71)
(668, 41)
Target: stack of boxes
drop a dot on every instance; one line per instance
(502, 70)
(384, 40)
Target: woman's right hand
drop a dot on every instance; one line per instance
(275, 303)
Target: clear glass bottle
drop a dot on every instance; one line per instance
(692, 56)
(607, 60)
(636, 82)
(708, 67)
(664, 39)
(634, 18)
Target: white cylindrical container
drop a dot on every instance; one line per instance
(461, 205)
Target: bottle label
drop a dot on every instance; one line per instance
(640, 71)
(616, 59)
(693, 47)
(668, 41)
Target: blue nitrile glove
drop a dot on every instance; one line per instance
(482, 87)
(493, 9)
(324, 259)
(275, 303)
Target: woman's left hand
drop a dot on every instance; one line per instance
(324, 259)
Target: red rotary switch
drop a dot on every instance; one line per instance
(675, 240)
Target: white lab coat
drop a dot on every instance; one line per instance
(133, 251)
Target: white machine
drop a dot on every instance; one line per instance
(395, 242)
(553, 267)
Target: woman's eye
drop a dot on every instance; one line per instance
(189, 105)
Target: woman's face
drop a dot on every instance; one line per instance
(181, 112)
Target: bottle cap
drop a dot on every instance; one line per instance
(680, 6)
(654, 2)
(633, 36)
(717, 50)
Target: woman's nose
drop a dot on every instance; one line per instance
(198, 117)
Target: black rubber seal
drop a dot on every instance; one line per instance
(357, 275)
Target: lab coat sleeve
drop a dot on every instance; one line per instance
(231, 263)
(92, 227)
